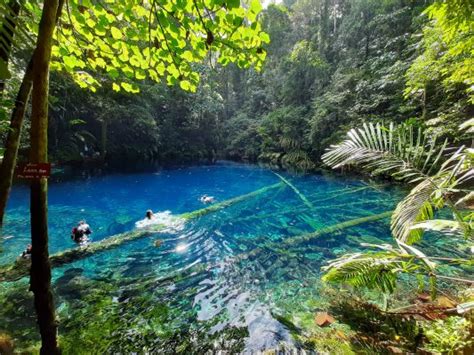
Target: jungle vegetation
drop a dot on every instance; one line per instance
(330, 66)
(189, 81)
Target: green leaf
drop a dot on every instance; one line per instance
(116, 34)
(130, 88)
(264, 37)
(185, 85)
(232, 4)
(255, 6)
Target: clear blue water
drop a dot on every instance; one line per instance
(197, 277)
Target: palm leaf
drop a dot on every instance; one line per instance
(370, 270)
(409, 156)
(414, 208)
(397, 151)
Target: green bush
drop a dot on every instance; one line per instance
(448, 335)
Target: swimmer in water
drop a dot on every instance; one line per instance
(149, 214)
(207, 199)
(27, 252)
(80, 234)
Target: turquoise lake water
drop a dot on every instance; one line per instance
(202, 286)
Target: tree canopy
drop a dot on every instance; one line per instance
(125, 41)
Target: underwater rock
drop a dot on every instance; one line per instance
(73, 288)
(265, 332)
(74, 271)
(68, 275)
(6, 344)
(324, 319)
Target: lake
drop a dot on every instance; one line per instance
(224, 279)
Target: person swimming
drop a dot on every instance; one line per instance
(149, 214)
(27, 252)
(207, 199)
(80, 234)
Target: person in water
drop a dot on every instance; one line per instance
(149, 214)
(207, 199)
(81, 233)
(27, 252)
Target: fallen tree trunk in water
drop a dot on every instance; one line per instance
(21, 267)
(282, 246)
(224, 204)
(296, 191)
(279, 248)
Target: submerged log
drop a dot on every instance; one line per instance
(279, 248)
(21, 267)
(297, 192)
(284, 245)
(224, 204)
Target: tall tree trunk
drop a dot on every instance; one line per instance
(12, 143)
(40, 281)
(103, 138)
(323, 28)
(7, 32)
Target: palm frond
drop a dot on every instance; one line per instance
(298, 159)
(398, 150)
(446, 226)
(370, 270)
(468, 126)
(414, 208)
(409, 156)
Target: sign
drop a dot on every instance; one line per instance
(34, 170)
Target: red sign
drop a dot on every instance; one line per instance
(34, 170)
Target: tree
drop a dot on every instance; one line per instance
(165, 40)
(40, 280)
(12, 142)
(448, 40)
(7, 31)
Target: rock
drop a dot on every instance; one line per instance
(445, 302)
(323, 319)
(6, 344)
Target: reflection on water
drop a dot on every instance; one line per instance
(215, 282)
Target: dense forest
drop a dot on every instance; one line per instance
(330, 66)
